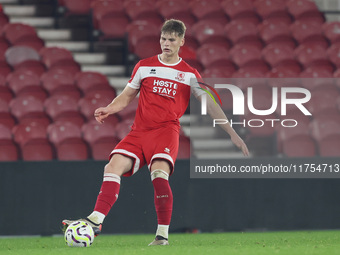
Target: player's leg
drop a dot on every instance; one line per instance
(163, 199)
(117, 166)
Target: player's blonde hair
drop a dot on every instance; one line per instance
(174, 26)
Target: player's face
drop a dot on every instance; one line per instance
(170, 44)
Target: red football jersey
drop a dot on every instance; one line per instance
(164, 92)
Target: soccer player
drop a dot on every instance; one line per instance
(163, 82)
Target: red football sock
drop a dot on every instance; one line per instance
(108, 194)
(163, 200)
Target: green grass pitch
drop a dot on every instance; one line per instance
(248, 243)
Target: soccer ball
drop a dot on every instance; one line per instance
(79, 234)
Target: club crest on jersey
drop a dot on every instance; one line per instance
(180, 76)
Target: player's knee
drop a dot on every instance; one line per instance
(159, 173)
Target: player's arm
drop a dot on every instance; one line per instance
(215, 112)
(118, 104)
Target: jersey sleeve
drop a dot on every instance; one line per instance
(135, 79)
(195, 88)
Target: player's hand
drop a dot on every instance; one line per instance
(240, 144)
(101, 113)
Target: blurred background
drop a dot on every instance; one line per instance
(61, 59)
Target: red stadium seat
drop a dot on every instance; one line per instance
(3, 20)
(77, 7)
(241, 10)
(31, 66)
(243, 33)
(33, 142)
(148, 46)
(137, 30)
(88, 105)
(67, 65)
(276, 34)
(249, 58)
(4, 44)
(123, 128)
(5, 69)
(87, 81)
(184, 149)
(143, 10)
(14, 31)
(5, 93)
(65, 109)
(101, 138)
(281, 56)
(52, 55)
(332, 31)
(102, 7)
(333, 54)
(208, 10)
(217, 72)
(282, 72)
(299, 146)
(60, 83)
(329, 146)
(209, 31)
(323, 99)
(113, 25)
(31, 41)
(309, 34)
(215, 55)
(314, 56)
(129, 112)
(305, 10)
(8, 149)
(26, 84)
(68, 141)
(325, 125)
(273, 11)
(316, 78)
(6, 118)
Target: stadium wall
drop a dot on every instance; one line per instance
(36, 196)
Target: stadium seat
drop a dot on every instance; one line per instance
(113, 25)
(309, 34)
(217, 72)
(26, 84)
(314, 57)
(33, 142)
(137, 30)
(26, 107)
(273, 11)
(329, 146)
(68, 141)
(305, 10)
(176, 9)
(215, 55)
(87, 81)
(322, 100)
(4, 45)
(101, 138)
(209, 31)
(6, 118)
(3, 20)
(87, 105)
(282, 72)
(67, 65)
(316, 78)
(63, 108)
(31, 66)
(60, 83)
(18, 54)
(208, 10)
(5, 69)
(77, 7)
(5, 93)
(281, 56)
(8, 149)
(143, 10)
(241, 73)
(102, 7)
(123, 128)
(184, 149)
(325, 125)
(241, 10)
(31, 41)
(243, 33)
(333, 54)
(249, 58)
(14, 31)
(276, 34)
(52, 55)
(299, 146)
(332, 31)
(148, 46)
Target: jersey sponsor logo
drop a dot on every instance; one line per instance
(153, 71)
(180, 76)
(165, 88)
